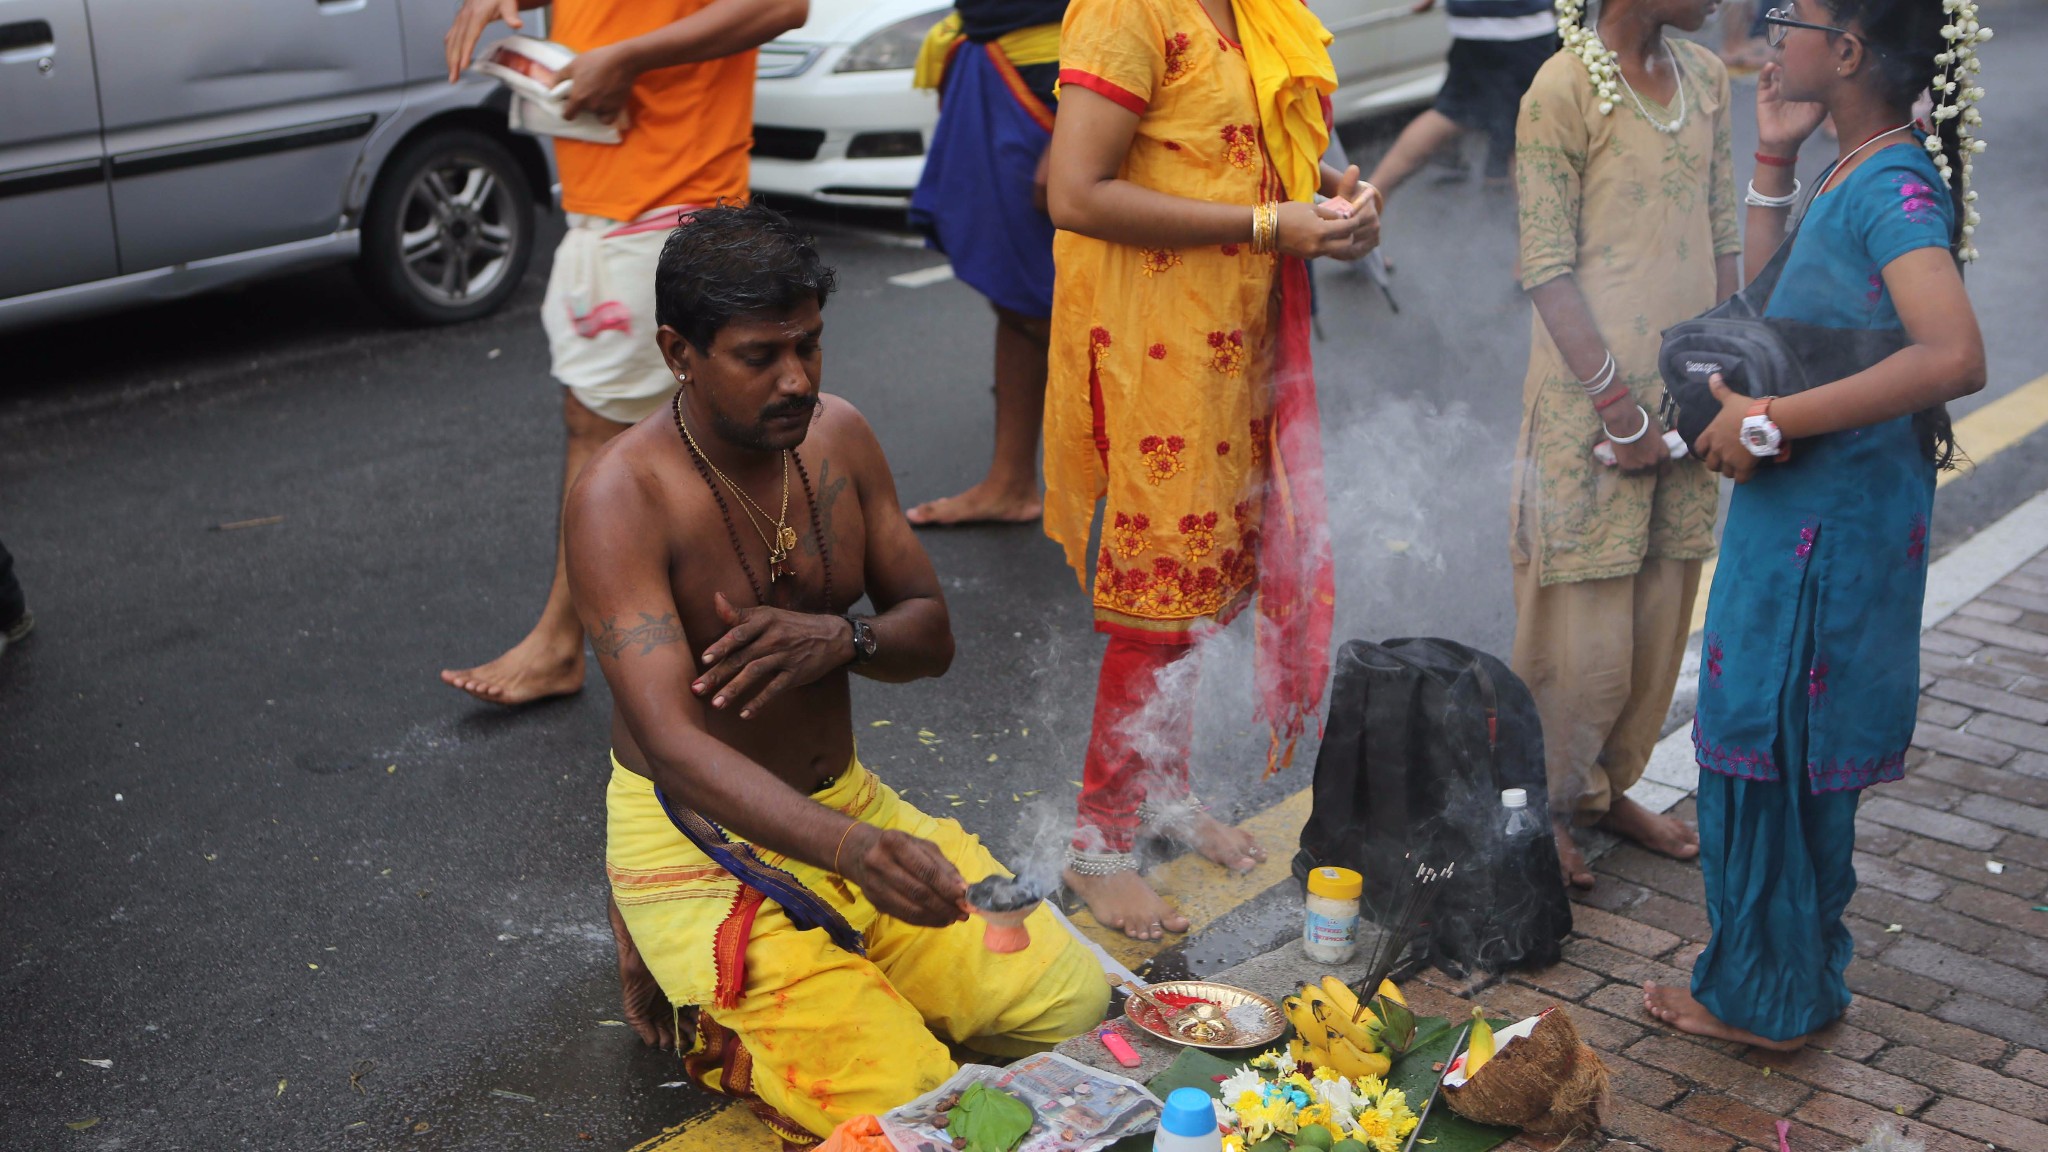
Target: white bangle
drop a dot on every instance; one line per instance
(1640, 432)
(1756, 199)
(1602, 378)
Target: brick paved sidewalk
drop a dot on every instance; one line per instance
(1945, 1037)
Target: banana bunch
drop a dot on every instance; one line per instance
(1333, 1030)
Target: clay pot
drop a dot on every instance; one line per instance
(1006, 931)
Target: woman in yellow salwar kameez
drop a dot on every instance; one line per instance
(1185, 169)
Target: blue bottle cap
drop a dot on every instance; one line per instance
(1188, 1113)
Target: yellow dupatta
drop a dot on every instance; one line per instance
(1288, 52)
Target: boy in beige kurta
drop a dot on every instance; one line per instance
(1606, 564)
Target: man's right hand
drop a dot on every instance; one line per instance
(1648, 453)
(470, 22)
(905, 877)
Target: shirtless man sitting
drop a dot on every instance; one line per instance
(713, 550)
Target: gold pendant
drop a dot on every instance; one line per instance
(786, 539)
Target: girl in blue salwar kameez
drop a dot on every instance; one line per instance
(1810, 658)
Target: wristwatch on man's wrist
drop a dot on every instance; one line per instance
(863, 639)
(1760, 434)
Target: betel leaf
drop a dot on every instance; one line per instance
(1397, 1030)
(989, 1119)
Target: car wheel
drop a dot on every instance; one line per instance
(448, 229)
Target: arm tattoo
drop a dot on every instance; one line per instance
(649, 633)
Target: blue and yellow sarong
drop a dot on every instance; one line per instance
(975, 202)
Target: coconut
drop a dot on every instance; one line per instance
(1548, 1082)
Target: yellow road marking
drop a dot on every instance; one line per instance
(1984, 433)
(730, 1128)
(1204, 894)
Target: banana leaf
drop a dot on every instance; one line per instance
(1414, 1072)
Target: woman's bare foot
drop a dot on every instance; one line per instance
(981, 504)
(1571, 862)
(534, 669)
(1219, 842)
(1676, 1007)
(1653, 830)
(1122, 900)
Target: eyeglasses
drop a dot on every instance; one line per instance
(1779, 22)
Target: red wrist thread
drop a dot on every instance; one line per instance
(1619, 395)
(1777, 161)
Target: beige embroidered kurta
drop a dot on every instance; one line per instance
(1639, 218)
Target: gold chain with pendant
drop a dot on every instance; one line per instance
(784, 539)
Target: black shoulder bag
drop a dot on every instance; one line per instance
(1758, 355)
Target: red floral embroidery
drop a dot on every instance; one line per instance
(1916, 540)
(1098, 337)
(1177, 65)
(1157, 260)
(1817, 682)
(1130, 533)
(1230, 249)
(1228, 357)
(1157, 351)
(1162, 457)
(1172, 147)
(1168, 587)
(1201, 533)
(1714, 660)
(1241, 144)
(1262, 435)
(1223, 447)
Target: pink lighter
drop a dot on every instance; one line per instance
(1119, 1047)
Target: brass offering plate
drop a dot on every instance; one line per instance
(1268, 1027)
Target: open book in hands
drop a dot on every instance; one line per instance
(532, 70)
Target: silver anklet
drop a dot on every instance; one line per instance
(1169, 816)
(1100, 863)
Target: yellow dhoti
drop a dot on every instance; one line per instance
(816, 1033)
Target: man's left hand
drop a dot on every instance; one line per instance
(601, 81)
(767, 651)
(1720, 447)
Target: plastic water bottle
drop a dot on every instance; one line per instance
(1188, 1123)
(1518, 823)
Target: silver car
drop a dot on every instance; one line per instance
(157, 148)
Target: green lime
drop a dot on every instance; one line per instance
(1275, 1143)
(1347, 1146)
(1313, 1136)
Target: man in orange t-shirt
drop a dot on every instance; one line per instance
(682, 73)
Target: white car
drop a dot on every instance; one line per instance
(836, 120)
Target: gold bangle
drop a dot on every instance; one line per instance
(842, 847)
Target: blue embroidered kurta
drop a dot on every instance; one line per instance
(1811, 664)
(1846, 521)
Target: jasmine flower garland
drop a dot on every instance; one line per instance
(1585, 43)
(1956, 95)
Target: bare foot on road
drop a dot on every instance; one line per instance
(530, 671)
(1676, 1007)
(1220, 843)
(980, 504)
(1571, 861)
(1122, 900)
(1653, 830)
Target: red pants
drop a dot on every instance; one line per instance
(1140, 743)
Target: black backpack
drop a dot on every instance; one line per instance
(1423, 736)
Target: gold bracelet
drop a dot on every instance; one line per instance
(842, 848)
(1265, 227)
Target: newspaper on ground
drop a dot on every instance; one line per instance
(1074, 1108)
(531, 69)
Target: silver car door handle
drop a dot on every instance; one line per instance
(337, 7)
(26, 40)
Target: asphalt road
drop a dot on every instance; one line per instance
(303, 896)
